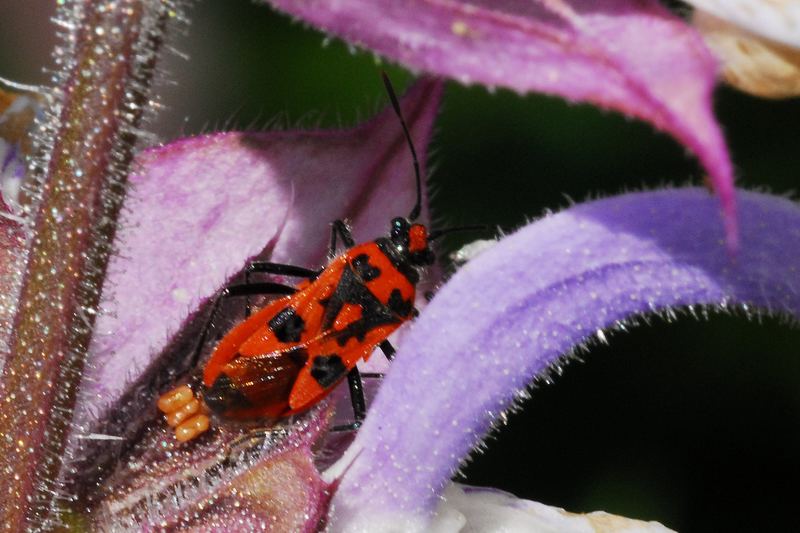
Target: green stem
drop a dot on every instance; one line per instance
(108, 64)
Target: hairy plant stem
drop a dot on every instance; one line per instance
(107, 68)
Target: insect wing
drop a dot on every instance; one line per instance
(370, 301)
(228, 347)
(297, 319)
(253, 369)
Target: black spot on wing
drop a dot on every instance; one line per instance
(398, 305)
(357, 329)
(223, 396)
(328, 369)
(287, 325)
(365, 271)
(352, 290)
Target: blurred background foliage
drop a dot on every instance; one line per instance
(694, 424)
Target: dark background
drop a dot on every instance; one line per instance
(694, 424)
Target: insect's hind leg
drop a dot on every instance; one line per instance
(357, 390)
(357, 401)
(183, 409)
(251, 289)
(388, 350)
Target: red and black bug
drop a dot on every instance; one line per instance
(290, 354)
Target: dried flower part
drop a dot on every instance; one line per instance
(751, 63)
(17, 113)
(631, 56)
(776, 20)
(513, 312)
(478, 509)
(107, 63)
(235, 479)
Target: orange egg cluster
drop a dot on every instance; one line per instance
(184, 412)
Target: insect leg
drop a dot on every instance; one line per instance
(242, 442)
(338, 227)
(356, 399)
(357, 390)
(387, 349)
(251, 289)
(281, 269)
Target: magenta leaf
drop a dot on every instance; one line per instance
(200, 209)
(632, 56)
(519, 307)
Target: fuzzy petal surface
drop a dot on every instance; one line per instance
(632, 56)
(259, 484)
(519, 306)
(202, 207)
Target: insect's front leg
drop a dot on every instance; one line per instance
(339, 228)
(357, 401)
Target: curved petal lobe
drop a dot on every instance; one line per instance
(632, 56)
(514, 310)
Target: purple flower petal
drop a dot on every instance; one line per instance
(629, 55)
(513, 311)
(202, 207)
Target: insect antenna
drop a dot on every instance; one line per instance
(396, 105)
(446, 231)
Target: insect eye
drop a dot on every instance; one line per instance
(399, 230)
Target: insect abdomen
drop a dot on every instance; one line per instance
(256, 386)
